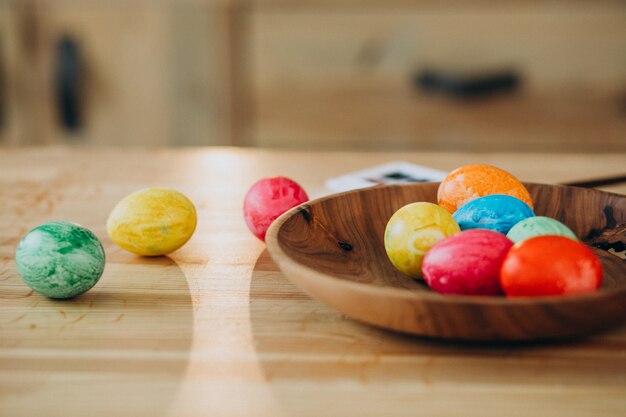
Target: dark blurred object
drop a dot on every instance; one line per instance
(467, 86)
(598, 182)
(68, 84)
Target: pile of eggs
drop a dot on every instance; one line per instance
(483, 238)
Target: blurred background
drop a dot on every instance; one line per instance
(483, 75)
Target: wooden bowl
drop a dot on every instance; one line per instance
(333, 249)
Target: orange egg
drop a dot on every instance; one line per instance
(472, 181)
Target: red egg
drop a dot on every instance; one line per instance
(467, 263)
(267, 199)
(550, 265)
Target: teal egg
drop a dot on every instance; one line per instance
(539, 226)
(60, 259)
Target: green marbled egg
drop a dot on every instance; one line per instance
(60, 259)
(539, 226)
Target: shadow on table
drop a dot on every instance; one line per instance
(122, 348)
(298, 339)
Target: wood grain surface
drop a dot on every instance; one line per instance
(214, 329)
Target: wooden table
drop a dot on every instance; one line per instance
(215, 330)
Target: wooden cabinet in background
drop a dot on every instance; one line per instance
(341, 75)
(329, 74)
(149, 73)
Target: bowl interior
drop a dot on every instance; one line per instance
(342, 235)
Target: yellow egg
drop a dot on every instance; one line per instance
(412, 231)
(152, 222)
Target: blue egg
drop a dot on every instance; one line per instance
(495, 212)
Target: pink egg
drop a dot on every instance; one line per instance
(267, 199)
(467, 263)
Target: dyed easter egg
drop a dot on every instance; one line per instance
(495, 212)
(539, 226)
(467, 263)
(550, 265)
(267, 199)
(412, 231)
(60, 259)
(152, 222)
(472, 181)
